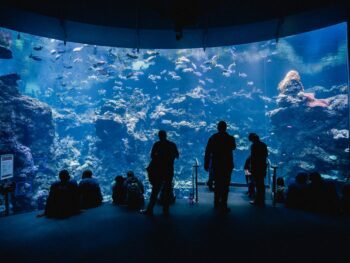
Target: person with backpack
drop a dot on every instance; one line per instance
(134, 191)
(118, 190)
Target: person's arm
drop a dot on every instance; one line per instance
(99, 194)
(233, 143)
(207, 156)
(176, 152)
(154, 151)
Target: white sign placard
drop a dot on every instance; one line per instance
(6, 166)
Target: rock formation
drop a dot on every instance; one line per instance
(312, 134)
(27, 132)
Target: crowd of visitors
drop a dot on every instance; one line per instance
(311, 192)
(308, 191)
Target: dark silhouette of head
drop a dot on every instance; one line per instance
(222, 126)
(315, 178)
(87, 174)
(130, 174)
(280, 181)
(64, 176)
(119, 179)
(162, 135)
(253, 137)
(301, 178)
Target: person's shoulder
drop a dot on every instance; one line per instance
(73, 183)
(172, 143)
(214, 136)
(230, 136)
(55, 184)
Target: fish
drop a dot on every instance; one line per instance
(210, 80)
(36, 58)
(132, 56)
(243, 75)
(77, 49)
(149, 59)
(77, 60)
(187, 70)
(38, 48)
(99, 63)
(67, 66)
(152, 52)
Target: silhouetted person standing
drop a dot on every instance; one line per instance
(258, 163)
(163, 154)
(219, 153)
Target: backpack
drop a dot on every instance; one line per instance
(134, 195)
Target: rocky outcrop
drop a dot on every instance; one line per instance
(27, 131)
(312, 134)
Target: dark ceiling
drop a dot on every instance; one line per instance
(149, 20)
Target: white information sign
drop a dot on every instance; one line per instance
(6, 166)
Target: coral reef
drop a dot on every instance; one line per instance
(27, 131)
(312, 133)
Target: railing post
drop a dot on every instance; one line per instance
(274, 183)
(196, 165)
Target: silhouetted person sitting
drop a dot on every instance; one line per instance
(316, 193)
(89, 191)
(219, 151)
(280, 191)
(297, 194)
(258, 162)
(118, 190)
(249, 178)
(332, 198)
(134, 191)
(161, 169)
(322, 194)
(345, 200)
(63, 199)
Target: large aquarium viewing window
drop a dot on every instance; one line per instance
(76, 106)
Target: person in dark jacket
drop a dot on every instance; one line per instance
(258, 162)
(89, 191)
(63, 199)
(297, 194)
(134, 191)
(219, 153)
(163, 155)
(118, 190)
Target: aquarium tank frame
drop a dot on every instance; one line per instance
(181, 34)
(169, 24)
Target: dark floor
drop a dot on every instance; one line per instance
(192, 233)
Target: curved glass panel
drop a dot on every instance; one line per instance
(75, 106)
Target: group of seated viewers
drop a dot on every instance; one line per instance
(308, 192)
(67, 197)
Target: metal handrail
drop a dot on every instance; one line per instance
(195, 180)
(274, 183)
